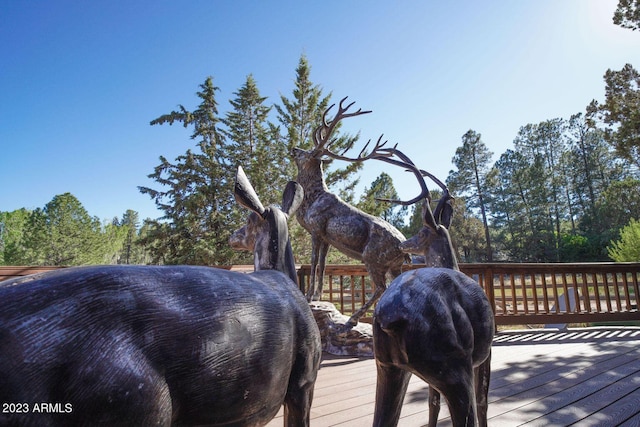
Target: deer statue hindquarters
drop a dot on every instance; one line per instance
(436, 323)
(333, 222)
(169, 346)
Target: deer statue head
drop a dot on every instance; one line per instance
(266, 232)
(309, 162)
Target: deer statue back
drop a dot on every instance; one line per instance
(436, 323)
(333, 222)
(169, 346)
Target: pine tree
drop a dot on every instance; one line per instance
(63, 233)
(12, 228)
(620, 113)
(472, 161)
(198, 197)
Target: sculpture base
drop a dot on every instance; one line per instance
(338, 339)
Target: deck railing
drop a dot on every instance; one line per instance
(520, 294)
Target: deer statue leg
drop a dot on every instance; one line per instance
(391, 387)
(319, 251)
(434, 406)
(297, 402)
(460, 394)
(482, 376)
(378, 280)
(322, 262)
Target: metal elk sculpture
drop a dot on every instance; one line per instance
(165, 346)
(333, 222)
(434, 322)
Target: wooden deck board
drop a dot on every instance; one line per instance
(588, 376)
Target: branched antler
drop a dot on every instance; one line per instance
(322, 134)
(407, 163)
(378, 151)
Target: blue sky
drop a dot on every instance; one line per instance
(80, 81)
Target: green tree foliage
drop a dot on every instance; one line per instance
(130, 231)
(627, 247)
(627, 14)
(301, 114)
(63, 233)
(12, 227)
(414, 223)
(382, 188)
(512, 207)
(560, 195)
(197, 191)
(543, 144)
(467, 233)
(620, 112)
(250, 141)
(473, 163)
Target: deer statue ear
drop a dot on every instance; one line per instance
(245, 194)
(427, 216)
(292, 198)
(446, 213)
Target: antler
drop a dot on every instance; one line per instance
(378, 151)
(439, 214)
(405, 162)
(322, 134)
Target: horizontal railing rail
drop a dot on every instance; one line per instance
(520, 294)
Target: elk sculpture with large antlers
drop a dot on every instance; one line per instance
(162, 346)
(434, 322)
(333, 222)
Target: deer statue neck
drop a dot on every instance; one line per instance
(441, 254)
(435, 245)
(272, 250)
(310, 173)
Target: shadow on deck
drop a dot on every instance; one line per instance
(585, 377)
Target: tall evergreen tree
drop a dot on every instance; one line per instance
(130, 224)
(249, 142)
(301, 114)
(543, 145)
(620, 113)
(472, 161)
(594, 168)
(197, 198)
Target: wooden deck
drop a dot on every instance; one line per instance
(586, 377)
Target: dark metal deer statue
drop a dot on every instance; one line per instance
(436, 323)
(159, 346)
(333, 222)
